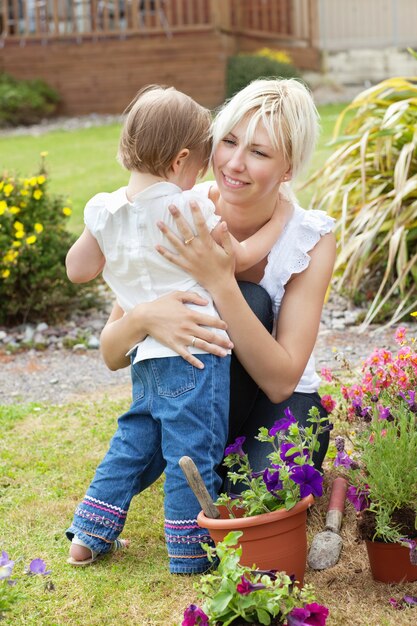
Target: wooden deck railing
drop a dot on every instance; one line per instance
(46, 19)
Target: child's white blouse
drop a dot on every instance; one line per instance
(127, 234)
(289, 256)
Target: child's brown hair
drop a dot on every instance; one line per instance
(160, 122)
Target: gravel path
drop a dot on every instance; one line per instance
(63, 375)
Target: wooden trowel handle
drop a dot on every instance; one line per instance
(336, 504)
(198, 487)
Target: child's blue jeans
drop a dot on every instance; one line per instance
(176, 410)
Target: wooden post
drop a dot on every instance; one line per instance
(220, 14)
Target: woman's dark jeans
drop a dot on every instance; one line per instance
(250, 408)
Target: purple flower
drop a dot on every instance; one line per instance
(284, 423)
(272, 480)
(236, 447)
(411, 400)
(37, 566)
(312, 614)
(342, 459)
(339, 443)
(385, 413)
(193, 616)
(412, 600)
(309, 479)
(285, 447)
(6, 566)
(358, 497)
(412, 545)
(245, 587)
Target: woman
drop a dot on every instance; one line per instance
(262, 139)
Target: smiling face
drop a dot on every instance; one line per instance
(249, 174)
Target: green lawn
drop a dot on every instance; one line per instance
(83, 162)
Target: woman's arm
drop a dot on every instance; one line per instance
(276, 364)
(169, 321)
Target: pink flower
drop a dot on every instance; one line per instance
(328, 403)
(326, 374)
(400, 334)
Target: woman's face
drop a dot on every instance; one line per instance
(249, 174)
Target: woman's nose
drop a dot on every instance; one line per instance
(237, 162)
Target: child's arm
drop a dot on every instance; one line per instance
(85, 259)
(252, 250)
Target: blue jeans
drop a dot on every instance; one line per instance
(176, 410)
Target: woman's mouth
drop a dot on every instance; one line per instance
(233, 182)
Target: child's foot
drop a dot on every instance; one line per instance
(81, 554)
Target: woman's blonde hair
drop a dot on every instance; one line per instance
(160, 122)
(287, 111)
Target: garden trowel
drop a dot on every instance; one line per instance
(327, 545)
(198, 487)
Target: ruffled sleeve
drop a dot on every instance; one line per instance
(290, 255)
(96, 214)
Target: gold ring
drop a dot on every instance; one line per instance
(187, 241)
(193, 342)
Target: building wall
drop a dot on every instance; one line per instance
(102, 76)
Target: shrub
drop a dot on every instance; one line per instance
(33, 245)
(369, 184)
(25, 101)
(244, 68)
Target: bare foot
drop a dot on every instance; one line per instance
(79, 553)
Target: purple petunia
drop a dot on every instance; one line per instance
(236, 447)
(6, 566)
(412, 545)
(194, 616)
(285, 447)
(342, 459)
(272, 480)
(284, 423)
(312, 614)
(309, 479)
(245, 587)
(358, 497)
(411, 400)
(37, 566)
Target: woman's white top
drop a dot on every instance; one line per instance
(127, 234)
(289, 256)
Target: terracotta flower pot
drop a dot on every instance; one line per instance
(276, 540)
(390, 562)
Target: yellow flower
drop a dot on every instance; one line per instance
(14, 210)
(1, 184)
(31, 239)
(38, 227)
(10, 256)
(8, 189)
(24, 192)
(66, 211)
(33, 181)
(23, 204)
(3, 206)
(414, 314)
(44, 154)
(20, 234)
(41, 179)
(18, 225)
(37, 194)
(16, 244)
(275, 55)
(5, 273)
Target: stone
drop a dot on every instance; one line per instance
(79, 347)
(93, 343)
(40, 328)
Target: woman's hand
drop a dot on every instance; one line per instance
(169, 321)
(199, 255)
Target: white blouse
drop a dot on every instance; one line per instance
(289, 256)
(127, 234)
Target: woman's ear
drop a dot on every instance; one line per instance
(287, 176)
(180, 160)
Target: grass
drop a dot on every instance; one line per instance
(82, 162)
(49, 455)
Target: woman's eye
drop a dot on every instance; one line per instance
(259, 153)
(230, 142)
